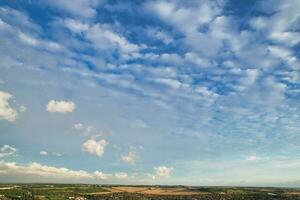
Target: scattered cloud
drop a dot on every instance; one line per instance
(163, 171)
(57, 154)
(131, 157)
(85, 129)
(121, 175)
(79, 8)
(91, 131)
(34, 171)
(7, 150)
(140, 124)
(38, 170)
(101, 175)
(43, 153)
(76, 25)
(47, 153)
(95, 147)
(253, 158)
(60, 106)
(104, 38)
(22, 108)
(6, 111)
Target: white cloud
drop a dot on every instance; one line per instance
(36, 42)
(121, 175)
(249, 79)
(101, 175)
(28, 39)
(60, 106)
(173, 83)
(187, 19)
(282, 53)
(131, 157)
(206, 93)
(7, 150)
(253, 158)
(11, 17)
(282, 26)
(85, 129)
(163, 171)
(57, 154)
(6, 111)
(105, 38)
(43, 153)
(79, 126)
(76, 25)
(38, 170)
(95, 147)
(78, 8)
(88, 130)
(35, 171)
(22, 108)
(159, 35)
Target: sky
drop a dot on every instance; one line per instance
(195, 92)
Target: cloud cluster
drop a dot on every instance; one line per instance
(60, 106)
(92, 146)
(79, 8)
(44, 173)
(163, 171)
(6, 111)
(7, 150)
(131, 157)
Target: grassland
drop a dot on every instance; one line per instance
(95, 192)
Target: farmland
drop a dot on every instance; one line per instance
(95, 192)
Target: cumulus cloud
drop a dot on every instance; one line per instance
(163, 171)
(35, 171)
(7, 150)
(95, 147)
(60, 106)
(131, 157)
(38, 170)
(6, 111)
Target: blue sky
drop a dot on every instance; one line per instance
(190, 92)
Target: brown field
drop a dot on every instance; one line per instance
(149, 191)
(155, 190)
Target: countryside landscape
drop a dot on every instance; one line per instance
(108, 192)
(149, 99)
